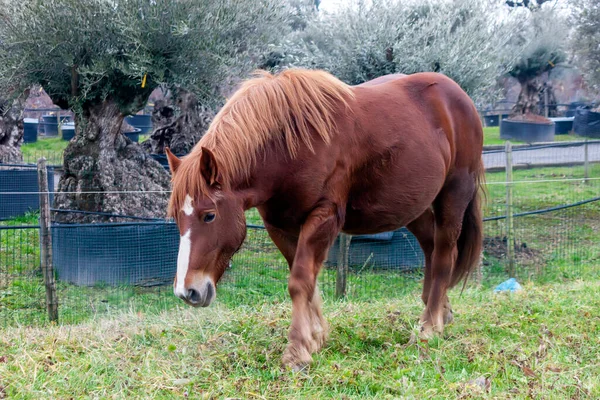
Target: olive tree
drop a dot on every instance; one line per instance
(540, 46)
(586, 41)
(11, 128)
(362, 40)
(103, 58)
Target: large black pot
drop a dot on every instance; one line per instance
(68, 131)
(491, 120)
(142, 254)
(30, 130)
(18, 190)
(587, 123)
(572, 110)
(528, 132)
(142, 122)
(389, 250)
(562, 126)
(50, 123)
(133, 135)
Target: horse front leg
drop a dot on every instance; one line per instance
(308, 330)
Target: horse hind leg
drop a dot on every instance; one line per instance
(449, 210)
(423, 228)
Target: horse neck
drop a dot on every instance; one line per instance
(262, 182)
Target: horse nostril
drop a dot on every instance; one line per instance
(209, 291)
(193, 296)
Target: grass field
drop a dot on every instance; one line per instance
(134, 342)
(540, 343)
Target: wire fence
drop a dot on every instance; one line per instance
(103, 268)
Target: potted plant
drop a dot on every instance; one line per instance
(544, 52)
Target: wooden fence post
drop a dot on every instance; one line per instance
(510, 245)
(46, 242)
(342, 265)
(586, 162)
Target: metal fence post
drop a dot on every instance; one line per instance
(342, 265)
(510, 247)
(586, 162)
(46, 242)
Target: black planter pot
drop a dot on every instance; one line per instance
(143, 254)
(491, 120)
(572, 110)
(398, 250)
(134, 136)
(587, 123)
(50, 123)
(18, 190)
(30, 130)
(528, 132)
(142, 122)
(562, 126)
(68, 131)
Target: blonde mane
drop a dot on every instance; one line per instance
(285, 109)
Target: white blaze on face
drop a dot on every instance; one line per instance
(185, 245)
(183, 262)
(188, 208)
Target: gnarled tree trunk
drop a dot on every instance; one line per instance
(11, 130)
(101, 159)
(179, 133)
(529, 97)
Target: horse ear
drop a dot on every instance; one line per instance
(209, 168)
(174, 162)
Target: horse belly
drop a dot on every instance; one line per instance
(392, 202)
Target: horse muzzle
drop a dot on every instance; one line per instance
(197, 296)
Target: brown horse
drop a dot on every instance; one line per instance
(316, 157)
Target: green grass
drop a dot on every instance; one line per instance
(51, 148)
(541, 343)
(491, 136)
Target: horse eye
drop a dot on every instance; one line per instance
(209, 217)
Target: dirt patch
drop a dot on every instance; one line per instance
(533, 118)
(496, 247)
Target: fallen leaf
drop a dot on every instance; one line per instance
(2, 359)
(180, 382)
(528, 372)
(553, 368)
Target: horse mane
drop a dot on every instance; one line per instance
(285, 109)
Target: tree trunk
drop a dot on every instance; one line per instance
(101, 159)
(178, 133)
(528, 100)
(11, 130)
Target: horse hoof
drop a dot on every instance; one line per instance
(319, 338)
(426, 332)
(297, 358)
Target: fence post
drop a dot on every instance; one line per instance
(342, 265)
(510, 247)
(46, 242)
(586, 162)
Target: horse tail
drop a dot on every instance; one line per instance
(470, 241)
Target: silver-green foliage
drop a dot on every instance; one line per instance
(586, 43)
(83, 52)
(466, 40)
